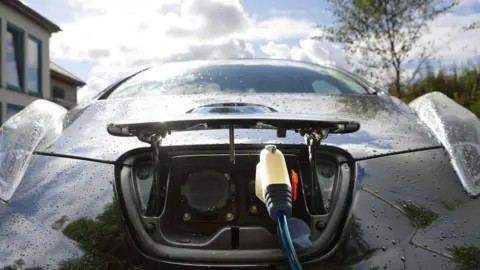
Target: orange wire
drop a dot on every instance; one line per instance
(294, 185)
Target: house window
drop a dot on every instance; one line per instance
(58, 92)
(15, 56)
(12, 110)
(34, 49)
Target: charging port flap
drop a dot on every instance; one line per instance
(297, 122)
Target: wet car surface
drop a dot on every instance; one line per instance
(406, 207)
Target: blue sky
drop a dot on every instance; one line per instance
(103, 40)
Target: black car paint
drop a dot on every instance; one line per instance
(410, 210)
(387, 125)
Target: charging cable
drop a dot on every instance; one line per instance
(272, 186)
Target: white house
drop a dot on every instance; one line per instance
(25, 60)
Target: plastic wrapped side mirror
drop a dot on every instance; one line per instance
(458, 130)
(35, 127)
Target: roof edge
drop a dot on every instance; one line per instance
(60, 76)
(32, 14)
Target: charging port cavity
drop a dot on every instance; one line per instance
(228, 213)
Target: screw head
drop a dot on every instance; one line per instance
(150, 228)
(320, 225)
(187, 217)
(229, 216)
(253, 209)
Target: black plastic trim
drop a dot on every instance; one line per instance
(229, 257)
(40, 153)
(401, 152)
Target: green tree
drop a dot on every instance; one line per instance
(19, 265)
(102, 240)
(460, 84)
(386, 33)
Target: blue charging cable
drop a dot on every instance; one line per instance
(287, 244)
(272, 186)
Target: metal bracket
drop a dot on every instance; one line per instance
(313, 138)
(231, 146)
(152, 138)
(153, 204)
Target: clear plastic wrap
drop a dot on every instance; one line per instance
(33, 128)
(459, 131)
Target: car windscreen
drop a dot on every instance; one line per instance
(178, 79)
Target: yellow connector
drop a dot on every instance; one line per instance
(272, 169)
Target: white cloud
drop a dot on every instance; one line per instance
(298, 12)
(469, 2)
(449, 44)
(462, 45)
(308, 50)
(123, 36)
(208, 19)
(126, 6)
(278, 28)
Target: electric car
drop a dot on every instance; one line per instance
(255, 163)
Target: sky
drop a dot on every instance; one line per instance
(104, 40)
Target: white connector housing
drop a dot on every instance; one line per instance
(272, 169)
